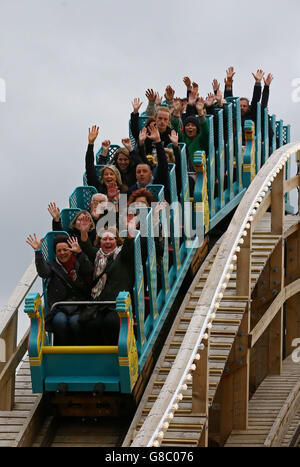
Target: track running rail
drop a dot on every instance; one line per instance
(162, 412)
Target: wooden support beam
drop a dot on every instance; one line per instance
(7, 388)
(277, 203)
(288, 292)
(276, 325)
(200, 382)
(241, 376)
(243, 272)
(292, 306)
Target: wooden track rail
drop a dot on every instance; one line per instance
(190, 367)
(215, 357)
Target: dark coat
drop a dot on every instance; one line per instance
(149, 145)
(60, 286)
(160, 173)
(120, 272)
(128, 176)
(91, 174)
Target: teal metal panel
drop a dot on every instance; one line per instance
(138, 293)
(238, 150)
(111, 152)
(265, 142)
(279, 134)
(273, 143)
(220, 160)
(67, 215)
(229, 194)
(258, 139)
(98, 168)
(210, 164)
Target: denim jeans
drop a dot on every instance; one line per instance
(66, 329)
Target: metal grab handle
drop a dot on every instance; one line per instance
(82, 303)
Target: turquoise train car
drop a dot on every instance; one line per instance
(94, 379)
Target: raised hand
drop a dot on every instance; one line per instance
(215, 85)
(142, 136)
(195, 88)
(84, 224)
(127, 144)
(112, 191)
(174, 137)
(136, 104)
(219, 97)
(54, 211)
(177, 107)
(34, 242)
(169, 93)
(210, 99)
(187, 82)
(158, 99)
(153, 133)
(105, 146)
(268, 80)
(200, 106)
(74, 245)
(229, 76)
(93, 133)
(151, 95)
(131, 225)
(258, 76)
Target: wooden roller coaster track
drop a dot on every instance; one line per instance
(214, 375)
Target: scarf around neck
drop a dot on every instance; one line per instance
(69, 267)
(99, 266)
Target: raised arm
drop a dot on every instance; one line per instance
(43, 269)
(162, 171)
(266, 91)
(90, 169)
(85, 242)
(134, 118)
(258, 76)
(228, 82)
(54, 211)
(151, 107)
(105, 151)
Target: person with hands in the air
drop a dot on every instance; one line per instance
(108, 173)
(113, 272)
(73, 227)
(145, 175)
(69, 280)
(195, 127)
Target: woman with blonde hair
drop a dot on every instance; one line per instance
(74, 227)
(109, 174)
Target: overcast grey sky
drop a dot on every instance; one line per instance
(69, 64)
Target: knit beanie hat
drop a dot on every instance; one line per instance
(194, 120)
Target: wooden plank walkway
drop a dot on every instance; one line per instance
(186, 428)
(13, 423)
(265, 406)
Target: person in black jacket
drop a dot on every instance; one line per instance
(69, 280)
(163, 122)
(108, 174)
(147, 174)
(125, 159)
(73, 228)
(248, 111)
(113, 272)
